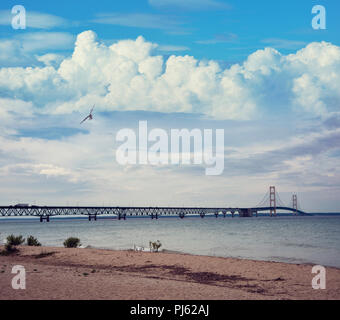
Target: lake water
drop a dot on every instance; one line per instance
(314, 239)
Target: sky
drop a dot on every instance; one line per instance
(256, 69)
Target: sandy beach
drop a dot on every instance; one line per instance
(59, 273)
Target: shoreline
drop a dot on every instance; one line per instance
(60, 273)
(292, 262)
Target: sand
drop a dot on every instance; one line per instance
(59, 273)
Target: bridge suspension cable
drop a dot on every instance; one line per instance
(279, 202)
(272, 201)
(264, 202)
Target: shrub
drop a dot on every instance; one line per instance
(72, 242)
(9, 249)
(15, 240)
(154, 246)
(33, 242)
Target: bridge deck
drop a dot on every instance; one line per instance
(130, 211)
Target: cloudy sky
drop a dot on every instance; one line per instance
(256, 69)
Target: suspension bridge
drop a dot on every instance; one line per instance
(270, 203)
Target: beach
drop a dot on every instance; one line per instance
(93, 274)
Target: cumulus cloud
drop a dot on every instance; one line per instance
(50, 59)
(129, 75)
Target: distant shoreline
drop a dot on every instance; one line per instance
(59, 273)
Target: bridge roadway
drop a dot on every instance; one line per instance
(45, 212)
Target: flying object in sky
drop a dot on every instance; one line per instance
(89, 117)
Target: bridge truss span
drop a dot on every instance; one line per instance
(124, 212)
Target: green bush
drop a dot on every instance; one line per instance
(15, 240)
(72, 242)
(33, 242)
(9, 249)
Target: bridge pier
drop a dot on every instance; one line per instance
(232, 214)
(42, 218)
(202, 215)
(182, 215)
(245, 213)
(216, 215)
(122, 216)
(92, 216)
(154, 216)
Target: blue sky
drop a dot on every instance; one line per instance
(223, 30)
(257, 69)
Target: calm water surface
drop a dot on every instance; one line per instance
(313, 239)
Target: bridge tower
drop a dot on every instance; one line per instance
(295, 203)
(272, 200)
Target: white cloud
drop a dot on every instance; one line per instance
(139, 20)
(18, 50)
(48, 170)
(13, 112)
(284, 43)
(129, 75)
(84, 166)
(172, 48)
(36, 20)
(190, 4)
(44, 21)
(12, 54)
(316, 83)
(46, 40)
(51, 59)
(220, 38)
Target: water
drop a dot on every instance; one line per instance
(313, 239)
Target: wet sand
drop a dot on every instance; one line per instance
(59, 273)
